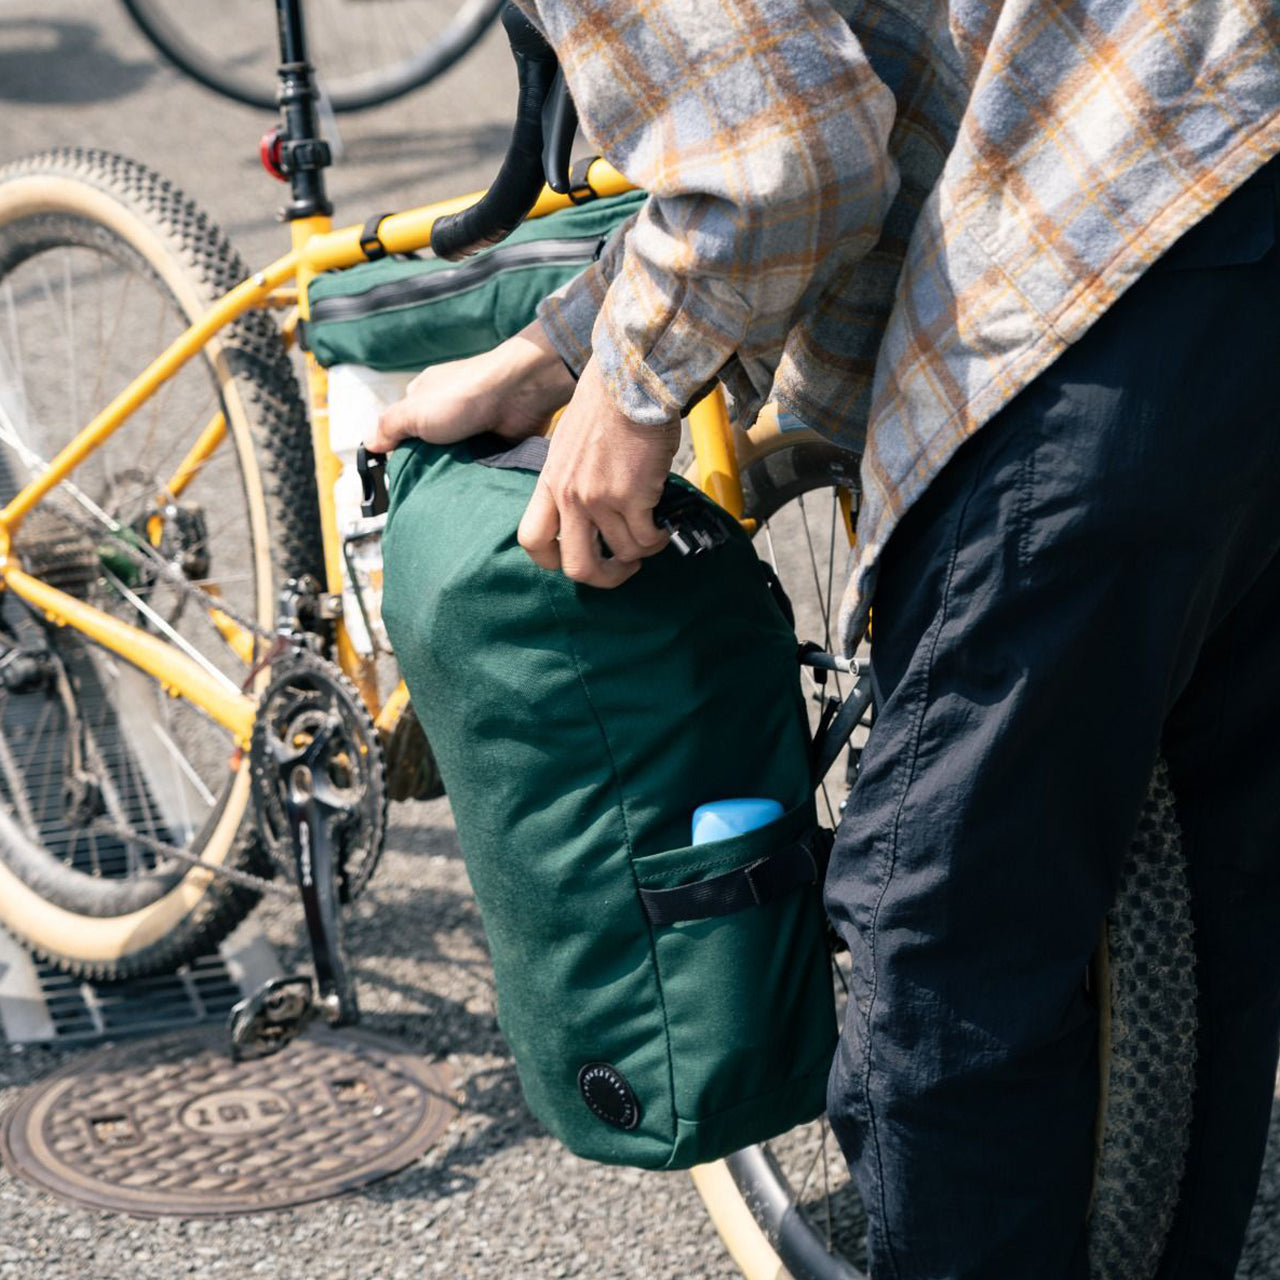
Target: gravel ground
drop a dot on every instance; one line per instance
(497, 1196)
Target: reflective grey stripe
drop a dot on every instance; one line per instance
(396, 295)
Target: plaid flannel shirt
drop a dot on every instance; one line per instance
(892, 214)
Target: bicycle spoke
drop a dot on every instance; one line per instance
(826, 1185)
(817, 581)
(804, 1185)
(826, 800)
(185, 765)
(14, 785)
(165, 629)
(768, 539)
(830, 593)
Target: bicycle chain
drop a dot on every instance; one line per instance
(258, 883)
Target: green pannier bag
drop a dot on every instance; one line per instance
(404, 313)
(666, 1003)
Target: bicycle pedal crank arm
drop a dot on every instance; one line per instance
(280, 1010)
(315, 858)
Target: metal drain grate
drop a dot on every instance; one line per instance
(202, 991)
(42, 1005)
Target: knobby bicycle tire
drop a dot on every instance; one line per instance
(111, 219)
(775, 1230)
(255, 86)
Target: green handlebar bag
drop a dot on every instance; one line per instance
(665, 1003)
(403, 313)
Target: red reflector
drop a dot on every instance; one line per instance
(269, 153)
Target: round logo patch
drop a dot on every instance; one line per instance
(606, 1091)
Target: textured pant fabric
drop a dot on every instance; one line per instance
(1092, 580)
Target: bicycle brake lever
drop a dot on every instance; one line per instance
(559, 127)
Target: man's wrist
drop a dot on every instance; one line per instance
(532, 384)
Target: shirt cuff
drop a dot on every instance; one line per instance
(659, 346)
(569, 315)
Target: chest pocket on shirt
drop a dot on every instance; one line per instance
(1241, 230)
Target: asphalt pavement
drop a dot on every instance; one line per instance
(497, 1197)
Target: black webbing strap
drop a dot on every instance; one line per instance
(370, 243)
(580, 189)
(529, 455)
(695, 524)
(803, 862)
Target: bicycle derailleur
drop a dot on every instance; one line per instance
(319, 790)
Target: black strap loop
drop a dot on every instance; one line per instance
(803, 862)
(695, 523)
(370, 243)
(580, 189)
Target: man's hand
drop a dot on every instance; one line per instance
(603, 477)
(512, 390)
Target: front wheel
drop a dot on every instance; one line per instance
(188, 518)
(787, 1209)
(364, 53)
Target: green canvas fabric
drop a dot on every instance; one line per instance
(577, 730)
(400, 314)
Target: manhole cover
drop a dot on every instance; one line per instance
(173, 1126)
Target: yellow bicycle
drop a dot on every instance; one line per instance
(172, 567)
(169, 545)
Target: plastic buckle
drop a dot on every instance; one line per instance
(372, 469)
(692, 532)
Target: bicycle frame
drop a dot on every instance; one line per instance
(316, 247)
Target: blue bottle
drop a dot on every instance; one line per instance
(721, 819)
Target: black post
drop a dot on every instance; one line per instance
(304, 154)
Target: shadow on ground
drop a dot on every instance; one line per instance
(63, 62)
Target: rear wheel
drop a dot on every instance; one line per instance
(788, 1208)
(205, 497)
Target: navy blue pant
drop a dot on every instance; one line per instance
(1092, 580)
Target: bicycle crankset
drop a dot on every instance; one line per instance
(311, 709)
(320, 800)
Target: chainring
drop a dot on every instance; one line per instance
(306, 697)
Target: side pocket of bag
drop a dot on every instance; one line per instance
(748, 992)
